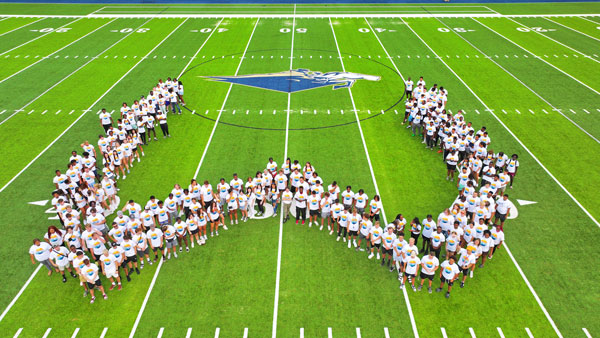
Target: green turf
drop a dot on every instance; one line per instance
(230, 283)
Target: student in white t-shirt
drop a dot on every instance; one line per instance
(90, 273)
(59, 257)
(411, 267)
(313, 208)
(511, 168)
(466, 263)
(375, 238)
(429, 265)
(155, 238)
(448, 273)
(364, 232)
(110, 267)
(300, 197)
(325, 205)
(498, 236)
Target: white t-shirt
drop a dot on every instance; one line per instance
(281, 181)
(90, 272)
(313, 202)
(206, 192)
(300, 199)
(347, 197)
(129, 248)
(449, 271)
(109, 262)
(502, 205)
(105, 118)
(60, 256)
(361, 200)
(412, 264)
(437, 239)
(365, 227)
(429, 264)
(376, 233)
(354, 222)
(465, 260)
(155, 237)
(497, 236)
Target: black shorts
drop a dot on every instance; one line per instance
(426, 276)
(377, 245)
(388, 251)
(451, 166)
(376, 217)
(465, 271)
(347, 206)
(501, 217)
(314, 212)
(96, 257)
(352, 233)
(131, 259)
(93, 285)
(193, 232)
(412, 275)
(444, 280)
(161, 248)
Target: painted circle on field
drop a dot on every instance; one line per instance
(335, 79)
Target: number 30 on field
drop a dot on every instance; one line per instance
(287, 30)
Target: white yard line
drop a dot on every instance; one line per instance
(75, 333)
(212, 133)
(59, 136)
(586, 19)
(18, 333)
(529, 332)
(472, 333)
(386, 332)
(406, 298)
(500, 333)
(39, 37)
(31, 23)
(586, 332)
(526, 86)
(199, 49)
(68, 76)
(444, 335)
(217, 332)
(141, 312)
(103, 334)
(573, 29)
(549, 38)
(285, 154)
(58, 50)
(160, 332)
(358, 335)
(10, 305)
(47, 332)
(541, 305)
(188, 334)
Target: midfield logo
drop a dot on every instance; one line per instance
(296, 80)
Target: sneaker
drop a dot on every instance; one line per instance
(128, 278)
(392, 268)
(349, 245)
(344, 239)
(92, 300)
(217, 233)
(73, 275)
(447, 294)
(187, 248)
(302, 222)
(193, 244)
(356, 250)
(338, 239)
(169, 256)
(236, 221)
(155, 139)
(382, 262)
(119, 287)
(378, 256)
(175, 254)
(138, 159)
(225, 227)
(361, 249)
(180, 249)
(331, 232)
(371, 256)
(462, 284)
(105, 296)
(124, 176)
(321, 228)
(490, 257)
(429, 290)
(212, 234)
(471, 274)
(198, 241)
(400, 276)
(420, 288)
(414, 289)
(138, 270)
(438, 290)
(284, 220)
(401, 286)
(111, 287)
(64, 279)
(296, 222)
(354, 243)
(480, 265)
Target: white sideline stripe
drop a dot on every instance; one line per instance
(301, 332)
(21, 292)
(38, 37)
(212, 133)
(406, 299)
(586, 332)
(500, 333)
(75, 333)
(20, 329)
(358, 333)
(526, 86)
(285, 151)
(586, 19)
(514, 136)
(558, 42)
(472, 332)
(329, 333)
(188, 333)
(529, 332)
(531, 154)
(103, 334)
(139, 316)
(444, 335)
(66, 77)
(245, 332)
(199, 49)
(217, 331)
(386, 332)
(287, 16)
(10, 31)
(573, 29)
(47, 56)
(160, 332)
(47, 332)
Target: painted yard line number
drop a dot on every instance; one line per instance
(208, 30)
(48, 30)
(129, 30)
(535, 29)
(456, 29)
(378, 30)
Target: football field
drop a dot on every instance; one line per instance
(529, 73)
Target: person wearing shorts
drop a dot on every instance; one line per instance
(182, 234)
(364, 232)
(411, 267)
(375, 238)
(388, 239)
(170, 239)
(90, 273)
(155, 236)
(59, 257)
(313, 208)
(448, 273)
(354, 220)
(466, 263)
(194, 229)
(128, 247)
(398, 250)
(325, 205)
(429, 265)
(109, 269)
(141, 246)
(375, 206)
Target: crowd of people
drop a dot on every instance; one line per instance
(463, 236)
(84, 246)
